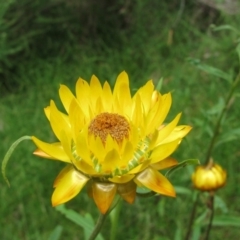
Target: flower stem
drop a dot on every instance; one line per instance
(208, 161)
(102, 218)
(115, 216)
(218, 124)
(98, 226)
(193, 213)
(211, 206)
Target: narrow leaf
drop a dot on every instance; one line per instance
(159, 84)
(238, 50)
(224, 221)
(182, 164)
(56, 233)
(225, 27)
(211, 70)
(8, 155)
(86, 222)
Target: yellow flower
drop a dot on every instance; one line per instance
(209, 177)
(111, 140)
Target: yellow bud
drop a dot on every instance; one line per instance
(209, 178)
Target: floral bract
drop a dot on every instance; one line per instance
(111, 141)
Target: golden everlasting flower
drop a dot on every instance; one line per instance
(111, 140)
(209, 177)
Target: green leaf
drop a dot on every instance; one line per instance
(196, 232)
(182, 190)
(217, 108)
(182, 164)
(225, 27)
(211, 70)
(179, 231)
(8, 155)
(220, 204)
(231, 135)
(56, 233)
(224, 221)
(202, 219)
(238, 50)
(86, 222)
(159, 84)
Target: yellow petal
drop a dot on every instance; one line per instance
(153, 139)
(83, 95)
(80, 164)
(139, 168)
(76, 118)
(166, 104)
(58, 123)
(166, 163)
(98, 106)
(127, 191)
(134, 136)
(107, 97)
(47, 112)
(82, 147)
(95, 85)
(95, 89)
(122, 179)
(66, 142)
(152, 116)
(66, 96)
(137, 112)
(163, 151)
(61, 175)
(38, 152)
(111, 161)
(68, 184)
(145, 93)
(85, 168)
(97, 148)
(122, 82)
(122, 94)
(158, 112)
(103, 195)
(127, 154)
(55, 150)
(155, 181)
(178, 133)
(110, 144)
(166, 130)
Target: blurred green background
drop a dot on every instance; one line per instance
(47, 43)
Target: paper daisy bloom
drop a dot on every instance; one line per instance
(111, 141)
(210, 177)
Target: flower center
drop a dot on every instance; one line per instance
(112, 124)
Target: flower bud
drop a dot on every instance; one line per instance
(209, 178)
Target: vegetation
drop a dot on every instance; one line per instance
(47, 43)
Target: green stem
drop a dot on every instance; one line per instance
(211, 206)
(192, 217)
(208, 159)
(218, 124)
(98, 226)
(148, 194)
(115, 216)
(102, 217)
